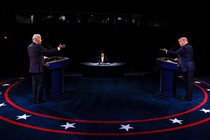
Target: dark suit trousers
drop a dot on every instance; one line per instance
(188, 76)
(38, 82)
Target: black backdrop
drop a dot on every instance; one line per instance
(136, 45)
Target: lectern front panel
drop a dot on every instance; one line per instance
(168, 70)
(55, 76)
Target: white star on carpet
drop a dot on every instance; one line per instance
(175, 120)
(24, 116)
(197, 82)
(208, 89)
(5, 85)
(205, 110)
(0, 93)
(68, 125)
(2, 104)
(126, 127)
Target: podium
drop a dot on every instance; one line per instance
(168, 69)
(55, 67)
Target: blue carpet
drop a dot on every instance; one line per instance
(125, 107)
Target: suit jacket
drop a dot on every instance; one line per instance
(185, 57)
(105, 59)
(36, 52)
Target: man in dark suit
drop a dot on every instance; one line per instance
(36, 54)
(186, 65)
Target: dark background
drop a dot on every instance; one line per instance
(161, 24)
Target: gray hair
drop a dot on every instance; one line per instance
(35, 36)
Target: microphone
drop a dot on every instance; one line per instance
(174, 46)
(49, 46)
(53, 54)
